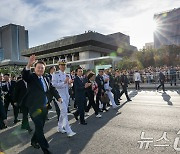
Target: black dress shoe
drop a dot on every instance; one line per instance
(75, 116)
(16, 121)
(3, 127)
(100, 110)
(47, 151)
(105, 110)
(83, 123)
(129, 100)
(108, 105)
(30, 130)
(35, 145)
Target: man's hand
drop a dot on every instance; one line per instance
(60, 100)
(87, 85)
(32, 60)
(106, 80)
(66, 80)
(5, 122)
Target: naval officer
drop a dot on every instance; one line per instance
(61, 81)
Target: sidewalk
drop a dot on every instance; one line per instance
(154, 86)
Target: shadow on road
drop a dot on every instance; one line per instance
(167, 98)
(60, 143)
(133, 94)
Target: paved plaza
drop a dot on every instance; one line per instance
(149, 124)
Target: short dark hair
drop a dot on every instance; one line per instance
(40, 62)
(7, 74)
(90, 75)
(78, 68)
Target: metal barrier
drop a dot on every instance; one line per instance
(153, 78)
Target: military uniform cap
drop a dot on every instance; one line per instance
(62, 62)
(101, 69)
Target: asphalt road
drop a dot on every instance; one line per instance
(149, 124)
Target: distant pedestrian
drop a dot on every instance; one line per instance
(137, 79)
(161, 80)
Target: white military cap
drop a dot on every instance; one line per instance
(62, 62)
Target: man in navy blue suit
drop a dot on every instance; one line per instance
(39, 92)
(80, 95)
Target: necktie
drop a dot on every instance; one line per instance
(8, 85)
(45, 97)
(40, 79)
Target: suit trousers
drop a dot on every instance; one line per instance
(39, 117)
(93, 104)
(161, 84)
(124, 90)
(57, 108)
(15, 108)
(81, 104)
(25, 121)
(116, 93)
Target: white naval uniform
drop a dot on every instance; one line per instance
(109, 93)
(58, 79)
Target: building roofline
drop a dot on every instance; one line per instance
(167, 11)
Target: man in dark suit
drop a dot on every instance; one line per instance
(3, 117)
(19, 92)
(80, 95)
(8, 89)
(39, 92)
(161, 80)
(100, 82)
(124, 83)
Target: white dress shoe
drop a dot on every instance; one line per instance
(114, 106)
(71, 134)
(61, 131)
(98, 116)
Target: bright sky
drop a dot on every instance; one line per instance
(49, 20)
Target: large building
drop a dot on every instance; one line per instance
(168, 28)
(149, 46)
(13, 39)
(83, 49)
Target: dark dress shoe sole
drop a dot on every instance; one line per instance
(83, 123)
(35, 145)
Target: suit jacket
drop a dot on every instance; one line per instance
(9, 91)
(34, 98)
(79, 89)
(2, 110)
(161, 77)
(124, 80)
(20, 91)
(100, 82)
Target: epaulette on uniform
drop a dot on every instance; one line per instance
(57, 72)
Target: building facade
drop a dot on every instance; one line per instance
(168, 28)
(149, 46)
(13, 39)
(81, 48)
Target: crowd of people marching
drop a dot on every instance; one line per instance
(33, 94)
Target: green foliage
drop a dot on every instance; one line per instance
(126, 63)
(167, 55)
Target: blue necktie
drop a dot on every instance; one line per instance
(45, 98)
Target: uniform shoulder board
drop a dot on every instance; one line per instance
(57, 72)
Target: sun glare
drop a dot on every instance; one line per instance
(155, 25)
